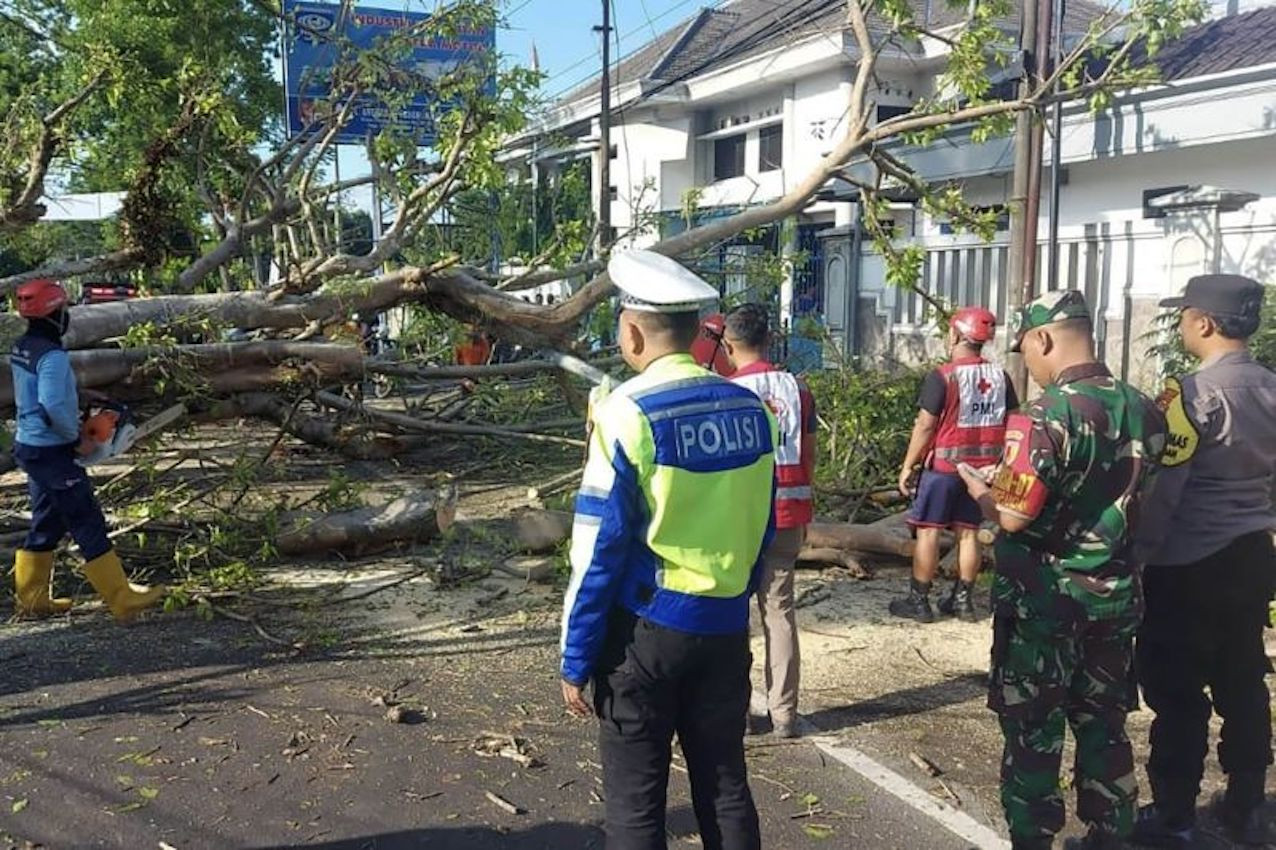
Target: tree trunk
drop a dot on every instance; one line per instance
(452, 291)
(837, 557)
(413, 518)
(858, 538)
(225, 366)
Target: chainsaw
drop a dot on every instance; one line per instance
(110, 431)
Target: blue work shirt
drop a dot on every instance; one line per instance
(44, 392)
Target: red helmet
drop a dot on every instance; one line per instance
(974, 324)
(38, 299)
(708, 349)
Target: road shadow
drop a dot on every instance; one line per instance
(902, 703)
(548, 836)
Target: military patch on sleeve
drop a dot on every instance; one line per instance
(1017, 487)
(1183, 438)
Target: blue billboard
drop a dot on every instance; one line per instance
(317, 37)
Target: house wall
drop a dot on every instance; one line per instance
(648, 154)
(1124, 262)
(1219, 131)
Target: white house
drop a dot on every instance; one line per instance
(734, 105)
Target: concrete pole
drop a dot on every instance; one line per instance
(1056, 164)
(1017, 283)
(604, 128)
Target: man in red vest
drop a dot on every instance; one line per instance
(709, 349)
(746, 338)
(962, 419)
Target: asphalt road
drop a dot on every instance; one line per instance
(187, 734)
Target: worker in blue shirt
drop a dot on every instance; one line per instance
(46, 448)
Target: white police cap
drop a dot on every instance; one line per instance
(653, 283)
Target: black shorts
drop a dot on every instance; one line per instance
(942, 501)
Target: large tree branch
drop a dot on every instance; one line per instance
(864, 72)
(237, 234)
(26, 209)
(125, 258)
(223, 366)
(420, 204)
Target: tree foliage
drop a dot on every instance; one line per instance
(196, 73)
(181, 117)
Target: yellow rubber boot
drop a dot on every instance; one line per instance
(106, 574)
(32, 573)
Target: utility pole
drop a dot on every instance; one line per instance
(1032, 210)
(1019, 280)
(604, 130)
(1056, 164)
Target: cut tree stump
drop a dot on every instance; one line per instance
(540, 532)
(413, 518)
(534, 568)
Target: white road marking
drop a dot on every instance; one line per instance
(955, 821)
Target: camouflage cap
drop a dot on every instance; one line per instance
(1049, 308)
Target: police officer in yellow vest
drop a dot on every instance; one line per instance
(674, 511)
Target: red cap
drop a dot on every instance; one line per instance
(708, 349)
(974, 324)
(40, 298)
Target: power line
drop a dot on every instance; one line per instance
(776, 30)
(580, 81)
(650, 22)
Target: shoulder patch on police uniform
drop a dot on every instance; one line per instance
(1183, 437)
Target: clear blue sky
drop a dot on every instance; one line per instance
(565, 41)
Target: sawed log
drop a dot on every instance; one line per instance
(413, 518)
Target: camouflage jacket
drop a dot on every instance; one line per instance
(1077, 462)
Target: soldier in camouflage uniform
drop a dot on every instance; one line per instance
(1066, 594)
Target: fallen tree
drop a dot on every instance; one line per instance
(229, 232)
(280, 203)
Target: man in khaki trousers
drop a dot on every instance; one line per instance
(747, 340)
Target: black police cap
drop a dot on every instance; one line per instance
(1221, 295)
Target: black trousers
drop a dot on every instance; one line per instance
(62, 501)
(1204, 629)
(651, 683)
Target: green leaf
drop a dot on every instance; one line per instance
(148, 793)
(818, 831)
(810, 800)
(19, 805)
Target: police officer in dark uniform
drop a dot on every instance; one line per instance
(1207, 540)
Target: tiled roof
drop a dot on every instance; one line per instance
(1226, 44)
(736, 30)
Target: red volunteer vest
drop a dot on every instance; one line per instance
(791, 403)
(972, 428)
